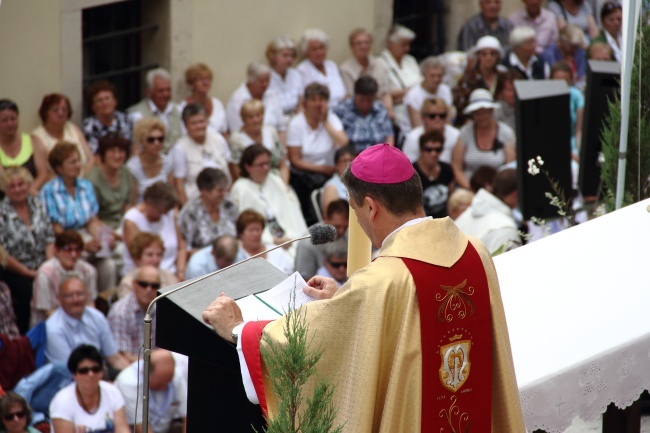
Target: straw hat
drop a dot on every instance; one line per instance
(488, 43)
(480, 98)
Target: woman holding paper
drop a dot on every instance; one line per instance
(250, 226)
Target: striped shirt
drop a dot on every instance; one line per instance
(62, 208)
(475, 157)
(126, 320)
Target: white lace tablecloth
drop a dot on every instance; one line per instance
(578, 310)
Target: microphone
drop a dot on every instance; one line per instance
(318, 235)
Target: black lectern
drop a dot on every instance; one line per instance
(216, 398)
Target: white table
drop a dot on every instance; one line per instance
(578, 310)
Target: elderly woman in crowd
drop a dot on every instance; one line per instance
(156, 214)
(611, 17)
(89, 403)
(577, 12)
(258, 78)
(15, 413)
(569, 49)
(434, 113)
(150, 165)
(71, 203)
(19, 149)
(486, 73)
(209, 215)
(523, 58)
(253, 131)
(458, 202)
(198, 149)
(483, 141)
(334, 189)
(102, 100)
(316, 68)
(267, 194)
(313, 137)
(362, 63)
(403, 71)
(55, 113)
(437, 177)
(27, 236)
(115, 186)
(198, 78)
(286, 82)
(433, 70)
(250, 226)
(146, 249)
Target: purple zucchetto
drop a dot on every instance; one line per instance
(382, 164)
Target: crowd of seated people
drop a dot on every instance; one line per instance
(97, 217)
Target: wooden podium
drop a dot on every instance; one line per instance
(216, 399)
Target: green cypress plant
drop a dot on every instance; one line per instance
(290, 366)
(637, 183)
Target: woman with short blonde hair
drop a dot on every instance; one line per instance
(198, 78)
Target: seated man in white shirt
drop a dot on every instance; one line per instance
(221, 254)
(157, 103)
(258, 78)
(167, 392)
(75, 323)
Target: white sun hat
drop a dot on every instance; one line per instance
(480, 98)
(488, 42)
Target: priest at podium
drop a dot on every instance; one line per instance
(415, 341)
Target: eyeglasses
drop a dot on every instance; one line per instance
(71, 249)
(85, 370)
(147, 284)
(19, 415)
(435, 115)
(432, 149)
(338, 265)
(79, 295)
(160, 139)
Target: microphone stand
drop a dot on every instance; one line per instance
(148, 320)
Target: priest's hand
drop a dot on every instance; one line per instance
(321, 287)
(223, 314)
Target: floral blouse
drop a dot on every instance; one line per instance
(26, 244)
(198, 228)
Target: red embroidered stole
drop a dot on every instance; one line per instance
(456, 328)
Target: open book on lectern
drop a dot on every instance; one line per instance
(275, 302)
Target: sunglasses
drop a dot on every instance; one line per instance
(154, 139)
(338, 265)
(432, 149)
(85, 370)
(19, 415)
(71, 249)
(147, 284)
(435, 115)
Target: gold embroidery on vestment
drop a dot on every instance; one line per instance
(455, 299)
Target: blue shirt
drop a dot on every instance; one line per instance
(62, 208)
(65, 333)
(202, 262)
(364, 131)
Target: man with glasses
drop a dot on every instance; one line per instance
(335, 263)
(434, 118)
(76, 323)
(126, 317)
(68, 248)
